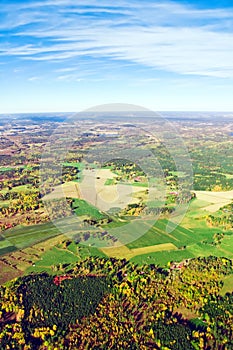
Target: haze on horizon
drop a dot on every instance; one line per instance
(61, 56)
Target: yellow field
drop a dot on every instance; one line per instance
(94, 190)
(124, 252)
(216, 200)
(68, 189)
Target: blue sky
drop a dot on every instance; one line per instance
(67, 55)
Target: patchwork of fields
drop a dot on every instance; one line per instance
(39, 247)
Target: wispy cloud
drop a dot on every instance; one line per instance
(35, 78)
(168, 36)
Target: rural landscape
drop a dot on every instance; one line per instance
(137, 219)
(116, 175)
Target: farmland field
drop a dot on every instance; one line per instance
(55, 256)
(215, 200)
(124, 252)
(69, 189)
(179, 244)
(25, 236)
(60, 254)
(158, 235)
(227, 285)
(8, 272)
(97, 189)
(156, 245)
(21, 188)
(111, 202)
(162, 258)
(81, 208)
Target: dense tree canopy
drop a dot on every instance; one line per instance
(112, 304)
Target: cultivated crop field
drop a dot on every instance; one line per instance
(191, 238)
(215, 200)
(124, 252)
(22, 237)
(114, 212)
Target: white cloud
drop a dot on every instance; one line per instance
(35, 78)
(166, 36)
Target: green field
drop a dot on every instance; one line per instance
(191, 238)
(4, 242)
(73, 164)
(157, 234)
(6, 246)
(192, 250)
(71, 247)
(192, 242)
(188, 242)
(227, 285)
(227, 243)
(25, 236)
(109, 182)
(21, 188)
(56, 256)
(124, 252)
(24, 188)
(4, 204)
(6, 168)
(63, 255)
(7, 249)
(85, 251)
(162, 258)
(137, 184)
(2, 169)
(115, 223)
(81, 208)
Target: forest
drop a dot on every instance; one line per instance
(102, 303)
